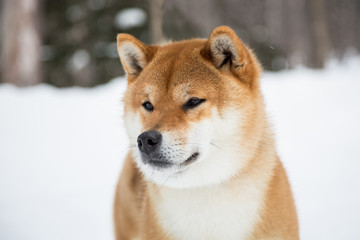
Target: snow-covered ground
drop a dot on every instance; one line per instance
(61, 151)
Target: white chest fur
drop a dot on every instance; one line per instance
(227, 211)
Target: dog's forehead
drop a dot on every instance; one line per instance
(177, 92)
(178, 70)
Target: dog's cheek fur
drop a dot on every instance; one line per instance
(133, 125)
(217, 161)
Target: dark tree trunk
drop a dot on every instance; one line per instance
(20, 43)
(321, 34)
(156, 16)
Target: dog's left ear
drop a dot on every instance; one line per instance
(134, 54)
(228, 53)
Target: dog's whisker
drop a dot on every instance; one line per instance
(162, 185)
(217, 146)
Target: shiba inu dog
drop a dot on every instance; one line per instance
(202, 162)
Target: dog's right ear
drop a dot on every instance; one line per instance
(134, 54)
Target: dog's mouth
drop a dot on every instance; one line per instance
(190, 160)
(165, 164)
(160, 164)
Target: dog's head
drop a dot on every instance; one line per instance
(192, 108)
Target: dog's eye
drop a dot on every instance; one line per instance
(148, 106)
(193, 102)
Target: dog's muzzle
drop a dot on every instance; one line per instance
(149, 144)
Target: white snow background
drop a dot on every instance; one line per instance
(61, 152)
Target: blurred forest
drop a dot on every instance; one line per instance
(73, 42)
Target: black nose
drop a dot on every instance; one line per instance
(149, 142)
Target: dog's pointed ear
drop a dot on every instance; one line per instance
(134, 54)
(228, 53)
